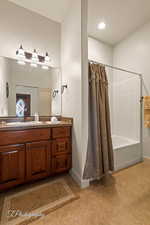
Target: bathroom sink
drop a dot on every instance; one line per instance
(31, 123)
(56, 122)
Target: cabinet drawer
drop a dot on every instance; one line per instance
(60, 132)
(61, 146)
(22, 136)
(61, 163)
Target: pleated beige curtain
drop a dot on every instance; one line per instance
(99, 159)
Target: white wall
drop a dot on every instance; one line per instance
(99, 51)
(72, 73)
(84, 101)
(21, 26)
(134, 54)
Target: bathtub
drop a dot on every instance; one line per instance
(127, 152)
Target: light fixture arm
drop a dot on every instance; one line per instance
(63, 87)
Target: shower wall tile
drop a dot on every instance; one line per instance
(126, 106)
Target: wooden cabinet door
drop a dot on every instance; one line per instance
(61, 163)
(61, 146)
(12, 165)
(38, 160)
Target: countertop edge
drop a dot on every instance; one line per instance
(9, 128)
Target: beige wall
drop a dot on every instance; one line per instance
(21, 26)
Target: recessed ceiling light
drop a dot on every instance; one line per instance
(101, 26)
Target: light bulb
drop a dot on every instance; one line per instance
(46, 62)
(21, 55)
(34, 59)
(47, 59)
(35, 56)
(20, 52)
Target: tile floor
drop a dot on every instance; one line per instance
(123, 200)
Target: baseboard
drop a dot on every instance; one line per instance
(146, 157)
(82, 183)
(128, 164)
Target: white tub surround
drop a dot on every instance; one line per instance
(127, 152)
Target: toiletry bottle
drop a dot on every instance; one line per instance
(36, 117)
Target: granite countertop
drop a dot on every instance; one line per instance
(33, 125)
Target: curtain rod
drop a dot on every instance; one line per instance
(116, 68)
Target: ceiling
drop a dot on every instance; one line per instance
(122, 17)
(52, 9)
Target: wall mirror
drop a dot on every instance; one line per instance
(26, 91)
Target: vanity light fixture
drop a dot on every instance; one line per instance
(34, 59)
(46, 62)
(21, 56)
(101, 26)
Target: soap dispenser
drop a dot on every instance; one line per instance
(36, 117)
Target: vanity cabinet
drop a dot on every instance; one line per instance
(61, 146)
(12, 165)
(61, 149)
(61, 163)
(31, 154)
(38, 160)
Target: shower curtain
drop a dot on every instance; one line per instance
(99, 160)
